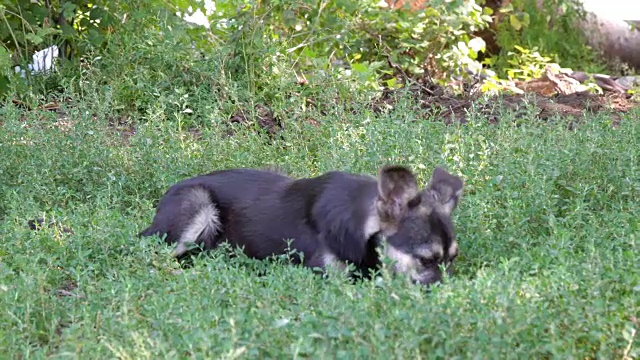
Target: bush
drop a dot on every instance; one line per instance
(353, 39)
(549, 29)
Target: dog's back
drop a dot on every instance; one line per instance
(194, 210)
(324, 217)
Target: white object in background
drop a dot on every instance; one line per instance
(43, 61)
(199, 17)
(614, 9)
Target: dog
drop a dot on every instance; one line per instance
(334, 219)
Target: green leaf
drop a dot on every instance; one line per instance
(4, 84)
(5, 60)
(515, 23)
(95, 37)
(67, 30)
(431, 12)
(68, 10)
(35, 39)
(359, 67)
(526, 20)
(507, 8)
(521, 49)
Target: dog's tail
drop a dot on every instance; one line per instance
(186, 216)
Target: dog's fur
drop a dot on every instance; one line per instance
(332, 219)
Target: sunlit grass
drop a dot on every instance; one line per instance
(548, 233)
(548, 225)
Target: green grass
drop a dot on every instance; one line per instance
(548, 227)
(548, 233)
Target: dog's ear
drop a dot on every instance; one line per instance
(444, 191)
(397, 188)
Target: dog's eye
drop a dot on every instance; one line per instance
(414, 202)
(429, 262)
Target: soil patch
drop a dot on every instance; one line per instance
(573, 106)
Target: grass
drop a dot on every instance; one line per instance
(548, 231)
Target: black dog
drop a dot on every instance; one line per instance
(331, 219)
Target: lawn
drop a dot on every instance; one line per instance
(548, 226)
(548, 231)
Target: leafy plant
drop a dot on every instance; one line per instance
(526, 64)
(359, 40)
(28, 26)
(547, 27)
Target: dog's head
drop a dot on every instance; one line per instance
(416, 223)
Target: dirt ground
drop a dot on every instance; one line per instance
(540, 99)
(552, 96)
(451, 109)
(572, 106)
